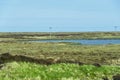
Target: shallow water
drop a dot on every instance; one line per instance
(89, 42)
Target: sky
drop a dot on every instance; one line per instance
(59, 15)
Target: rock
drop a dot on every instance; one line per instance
(105, 78)
(116, 77)
(97, 64)
(80, 63)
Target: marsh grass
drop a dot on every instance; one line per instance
(107, 55)
(103, 54)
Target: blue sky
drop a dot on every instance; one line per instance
(61, 15)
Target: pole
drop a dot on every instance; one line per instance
(50, 32)
(115, 28)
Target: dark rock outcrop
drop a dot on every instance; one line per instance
(105, 78)
(97, 64)
(116, 77)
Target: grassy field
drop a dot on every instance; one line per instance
(31, 71)
(89, 54)
(108, 56)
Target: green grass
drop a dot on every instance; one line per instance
(31, 71)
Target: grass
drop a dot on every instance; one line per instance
(104, 54)
(31, 71)
(107, 55)
(58, 35)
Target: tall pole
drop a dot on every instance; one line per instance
(50, 31)
(115, 27)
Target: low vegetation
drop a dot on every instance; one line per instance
(58, 35)
(100, 61)
(31, 71)
(89, 54)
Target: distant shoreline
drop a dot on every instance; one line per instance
(58, 35)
